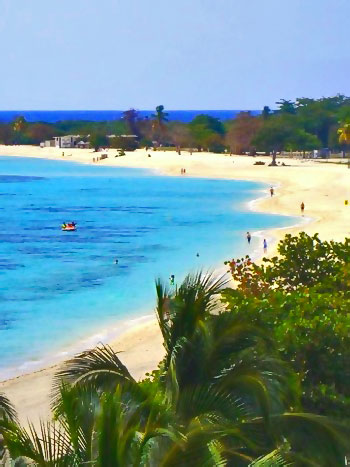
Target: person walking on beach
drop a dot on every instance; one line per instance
(249, 237)
(272, 191)
(302, 207)
(265, 246)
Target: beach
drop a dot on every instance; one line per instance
(323, 187)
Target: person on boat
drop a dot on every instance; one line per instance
(64, 225)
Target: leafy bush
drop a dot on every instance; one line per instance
(303, 298)
(127, 144)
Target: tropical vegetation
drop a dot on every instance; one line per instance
(222, 394)
(301, 125)
(302, 297)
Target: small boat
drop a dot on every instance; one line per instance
(69, 227)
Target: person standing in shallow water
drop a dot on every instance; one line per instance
(249, 237)
(265, 245)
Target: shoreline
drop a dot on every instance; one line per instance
(144, 339)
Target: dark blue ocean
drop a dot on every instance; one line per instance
(52, 116)
(59, 288)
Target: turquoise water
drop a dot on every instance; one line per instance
(58, 288)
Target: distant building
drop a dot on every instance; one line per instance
(122, 136)
(83, 145)
(49, 143)
(68, 141)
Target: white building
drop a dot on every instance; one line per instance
(68, 141)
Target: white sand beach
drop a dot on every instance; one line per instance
(322, 186)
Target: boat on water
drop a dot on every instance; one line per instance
(69, 226)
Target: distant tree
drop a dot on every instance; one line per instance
(127, 144)
(275, 132)
(180, 135)
(241, 132)
(300, 140)
(344, 134)
(209, 122)
(19, 126)
(321, 116)
(159, 118)
(6, 134)
(131, 119)
(286, 106)
(98, 140)
(145, 126)
(207, 131)
(38, 132)
(266, 112)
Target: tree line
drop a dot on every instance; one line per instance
(303, 125)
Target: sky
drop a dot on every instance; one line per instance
(184, 54)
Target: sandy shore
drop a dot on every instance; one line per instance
(323, 187)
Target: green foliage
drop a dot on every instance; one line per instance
(221, 396)
(266, 112)
(303, 125)
(98, 140)
(206, 131)
(286, 106)
(302, 297)
(124, 143)
(131, 119)
(7, 411)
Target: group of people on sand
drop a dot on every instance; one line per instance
(249, 237)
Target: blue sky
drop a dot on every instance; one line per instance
(184, 54)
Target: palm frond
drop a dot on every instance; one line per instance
(50, 447)
(100, 366)
(273, 459)
(321, 440)
(7, 410)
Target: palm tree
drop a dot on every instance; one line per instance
(160, 116)
(7, 413)
(344, 136)
(159, 120)
(130, 117)
(286, 106)
(220, 396)
(7, 410)
(266, 112)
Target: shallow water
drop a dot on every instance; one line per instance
(57, 288)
